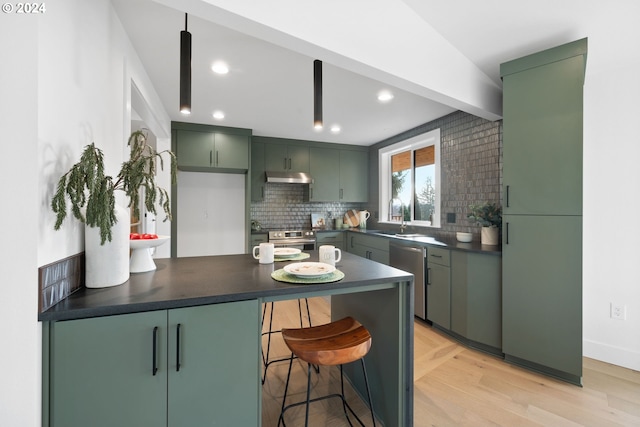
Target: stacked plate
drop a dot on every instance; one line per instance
(309, 269)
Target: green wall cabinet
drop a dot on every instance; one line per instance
(476, 299)
(323, 167)
(123, 370)
(354, 176)
(439, 286)
(258, 179)
(542, 223)
(291, 157)
(338, 175)
(200, 151)
(370, 247)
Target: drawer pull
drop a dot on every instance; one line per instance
(178, 347)
(154, 357)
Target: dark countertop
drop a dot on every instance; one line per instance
(451, 243)
(184, 282)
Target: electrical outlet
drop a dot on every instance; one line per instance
(618, 311)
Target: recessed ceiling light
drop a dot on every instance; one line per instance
(385, 96)
(218, 115)
(317, 127)
(220, 68)
(335, 129)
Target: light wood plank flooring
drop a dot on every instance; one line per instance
(457, 386)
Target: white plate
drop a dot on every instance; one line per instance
(309, 269)
(285, 252)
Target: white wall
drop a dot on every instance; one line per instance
(20, 331)
(611, 206)
(64, 82)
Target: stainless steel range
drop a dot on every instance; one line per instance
(300, 239)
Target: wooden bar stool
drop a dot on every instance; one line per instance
(265, 355)
(335, 343)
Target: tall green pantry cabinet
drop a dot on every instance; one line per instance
(542, 221)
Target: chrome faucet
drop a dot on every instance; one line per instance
(403, 222)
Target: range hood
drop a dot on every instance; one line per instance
(289, 177)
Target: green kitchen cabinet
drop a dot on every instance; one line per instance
(476, 299)
(542, 222)
(439, 286)
(335, 238)
(368, 246)
(323, 167)
(258, 178)
(159, 368)
(101, 371)
(292, 157)
(542, 152)
(201, 151)
(542, 293)
(339, 175)
(257, 238)
(354, 176)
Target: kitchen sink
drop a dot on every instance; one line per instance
(395, 234)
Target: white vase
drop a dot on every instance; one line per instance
(489, 236)
(108, 265)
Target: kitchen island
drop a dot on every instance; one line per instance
(181, 345)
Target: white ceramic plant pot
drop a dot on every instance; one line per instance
(108, 265)
(489, 236)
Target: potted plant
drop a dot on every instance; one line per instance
(489, 216)
(91, 195)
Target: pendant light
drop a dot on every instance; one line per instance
(317, 94)
(185, 69)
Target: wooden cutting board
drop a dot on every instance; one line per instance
(352, 218)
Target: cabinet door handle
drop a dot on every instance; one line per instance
(506, 232)
(210, 157)
(341, 192)
(507, 196)
(311, 193)
(435, 256)
(289, 163)
(178, 347)
(285, 163)
(154, 361)
(217, 158)
(428, 276)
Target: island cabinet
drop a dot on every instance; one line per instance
(439, 286)
(476, 298)
(335, 238)
(370, 247)
(158, 368)
(212, 151)
(349, 184)
(542, 222)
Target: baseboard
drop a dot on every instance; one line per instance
(611, 354)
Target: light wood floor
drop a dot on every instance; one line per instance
(457, 386)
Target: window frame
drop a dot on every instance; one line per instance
(384, 176)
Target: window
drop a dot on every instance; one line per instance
(410, 180)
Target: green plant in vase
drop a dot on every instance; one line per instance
(88, 189)
(489, 216)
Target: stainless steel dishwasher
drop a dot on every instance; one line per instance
(412, 260)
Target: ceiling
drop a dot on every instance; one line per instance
(270, 84)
